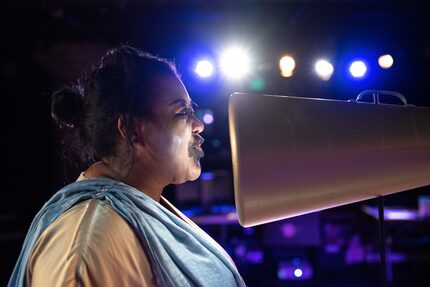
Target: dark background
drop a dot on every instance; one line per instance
(46, 44)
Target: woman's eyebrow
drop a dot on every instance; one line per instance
(177, 102)
(184, 103)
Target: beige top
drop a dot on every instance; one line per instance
(89, 245)
(92, 245)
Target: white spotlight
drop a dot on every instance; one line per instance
(385, 61)
(235, 63)
(204, 68)
(324, 69)
(298, 272)
(287, 65)
(358, 69)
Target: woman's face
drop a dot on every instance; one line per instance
(171, 135)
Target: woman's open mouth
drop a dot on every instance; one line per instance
(196, 147)
(199, 151)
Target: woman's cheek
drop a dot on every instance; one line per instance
(178, 139)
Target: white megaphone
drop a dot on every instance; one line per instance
(293, 156)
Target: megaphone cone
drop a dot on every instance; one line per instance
(293, 156)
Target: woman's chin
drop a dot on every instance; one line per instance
(195, 174)
(190, 176)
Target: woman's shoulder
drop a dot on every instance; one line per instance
(90, 239)
(86, 227)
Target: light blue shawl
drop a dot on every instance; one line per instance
(180, 255)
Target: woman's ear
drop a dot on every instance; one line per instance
(121, 128)
(137, 129)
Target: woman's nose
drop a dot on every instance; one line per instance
(198, 126)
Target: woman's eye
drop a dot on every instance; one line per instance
(186, 112)
(182, 113)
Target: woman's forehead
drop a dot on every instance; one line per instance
(173, 92)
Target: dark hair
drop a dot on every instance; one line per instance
(124, 84)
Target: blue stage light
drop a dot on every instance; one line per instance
(204, 68)
(358, 69)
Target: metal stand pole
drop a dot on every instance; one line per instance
(382, 241)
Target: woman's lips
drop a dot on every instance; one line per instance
(197, 146)
(199, 150)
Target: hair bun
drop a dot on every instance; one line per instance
(67, 105)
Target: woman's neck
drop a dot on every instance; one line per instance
(103, 169)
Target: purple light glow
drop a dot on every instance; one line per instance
(392, 213)
(240, 251)
(208, 119)
(289, 230)
(248, 231)
(399, 215)
(255, 257)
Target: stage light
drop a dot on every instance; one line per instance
(235, 63)
(207, 176)
(255, 256)
(216, 143)
(385, 61)
(324, 69)
(204, 68)
(288, 230)
(208, 118)
(257, 84)
(358, 69)
(392, 213)
(287, 66)
(295, 269)
(283, 271)
(298, 272)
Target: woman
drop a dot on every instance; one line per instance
(112, 227)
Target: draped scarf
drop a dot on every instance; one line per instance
(179, 254)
